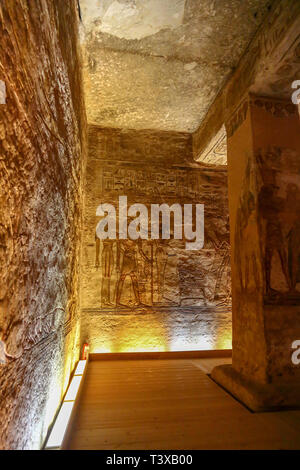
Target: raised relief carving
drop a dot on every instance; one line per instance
(275, 107)
(237, 119)
(143, 274)
(279, 208)
(216, 152)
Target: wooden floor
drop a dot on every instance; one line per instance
(171, 404)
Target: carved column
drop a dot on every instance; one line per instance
(264, 203)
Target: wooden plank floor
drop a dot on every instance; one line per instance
(171, 404)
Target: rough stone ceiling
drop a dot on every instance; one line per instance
(158, 64)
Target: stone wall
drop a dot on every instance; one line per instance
(154, 295)
(42, 142)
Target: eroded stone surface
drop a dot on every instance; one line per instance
(167, 79)
(133, 20)
(41, 156)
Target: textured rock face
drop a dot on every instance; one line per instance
(154, 295)
(42, 141)
(160, 64)
(134, 20)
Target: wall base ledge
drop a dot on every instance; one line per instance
(198, 354)
(256, 396)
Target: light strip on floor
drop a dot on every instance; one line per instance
(58, 431)
(80, 367)
(73, 388)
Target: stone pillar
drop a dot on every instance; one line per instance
(264, 204)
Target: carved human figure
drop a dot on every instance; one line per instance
(107, 266)
(161, 257)
(171, 283)
(239, 242)
(293, 205)
(271, 205)
(146, 263)
(250, 231)
(294, 255)
(223, 282)
(127, 267)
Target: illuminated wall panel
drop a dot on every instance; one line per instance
(154, 295)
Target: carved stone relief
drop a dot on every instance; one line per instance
(154, 280)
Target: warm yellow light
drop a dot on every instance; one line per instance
(183, 344)
(73, 388)
(80, 367)
(101, 350)
(59, 429)
(133, 347)
(224, 342)
(143, 334)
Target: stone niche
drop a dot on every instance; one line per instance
(42, 126)
(154, 295)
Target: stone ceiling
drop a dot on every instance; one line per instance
(158, 64)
